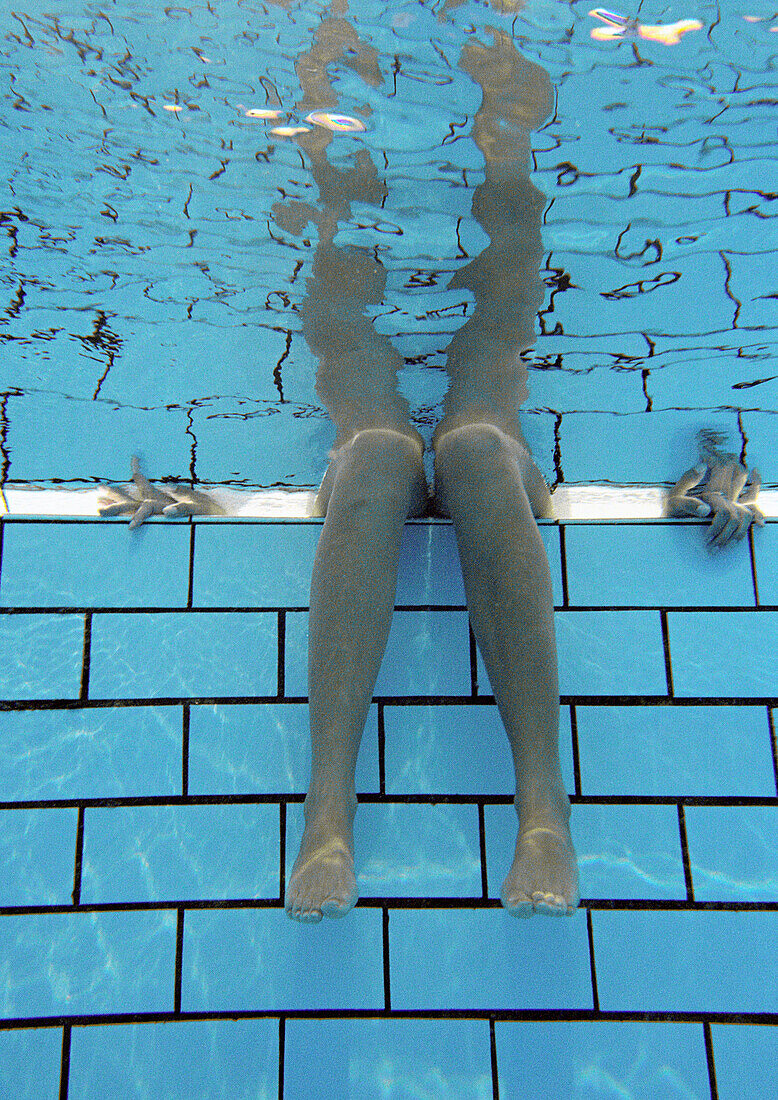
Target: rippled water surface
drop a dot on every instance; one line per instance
(159, 238)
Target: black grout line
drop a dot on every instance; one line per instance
(87, 655)
(179, 960)
(482, 847)
(190, 581)
(666, 647)
(431, 798)
(385, 943)
(493, 1059)
(282, 852)
(687, 867)
(381, 751)
(773, 743)
(762, 1019)
(714, 1091)
(389, 701)
(576, 751)
(185, 751)
(281, 653)
(272, 609)
(281, 1055)
(79, 858)
(64, 1072)
(754, 574)
(621, 905)
(592, 965)
(473, 661)
(563, 561)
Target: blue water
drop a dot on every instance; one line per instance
(154, 268)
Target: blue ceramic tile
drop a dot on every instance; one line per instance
(766, 554)
(94, 441)
(183, 654)
(457, 749)
(593, 1059)
(408, 851)
(733, 851)
(608, 653)
(167, 853)
(260, 959)
(623, 851)
(41, 656)
(30, 1063)
(745, 1058)
(484, 958)
(686, 961)
(427, 654)
(106, 752)
(395, 1059)
(661, 444)
(675, 751)
(95, 565)
(37, 856)
(723, 652)
(253, 565)
(204, 1058)
(429, 564)
(249, 749)
(653, 565)
(87, 963)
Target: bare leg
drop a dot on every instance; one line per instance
(378, 479)
(480, 475)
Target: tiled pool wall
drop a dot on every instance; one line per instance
(155, 757)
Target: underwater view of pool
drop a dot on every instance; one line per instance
(232, 230)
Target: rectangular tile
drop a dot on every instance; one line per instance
(585, 1060)
(623, 851)
(41, 656)
(106, 752)
(427, 654)
(260, 959)
(766, 557)
(456, 749)
(733, 852)
(254, 565)
(724, 652)
(745, 1058)
(376, 1059)
(171, 853)
(687, 961)
(610, 653)
(76, 964)
(37, 856)
(30, 1062)
(408, 851)
(249, 749)
(486, 959)
(94, 565)
(653, 565)
(183, 653)
(675, 751)
(205, 1058)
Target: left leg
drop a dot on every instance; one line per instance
(480, 477)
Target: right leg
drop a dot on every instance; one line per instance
(378, 478)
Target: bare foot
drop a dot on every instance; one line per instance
(322, 882)
(544, 874)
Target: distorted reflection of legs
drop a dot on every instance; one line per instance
(482, 475)
(377, 480)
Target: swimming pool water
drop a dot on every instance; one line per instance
(152, 688)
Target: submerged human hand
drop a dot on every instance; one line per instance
(722, 488)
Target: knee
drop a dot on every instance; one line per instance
(379, 468)
(471, 451)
